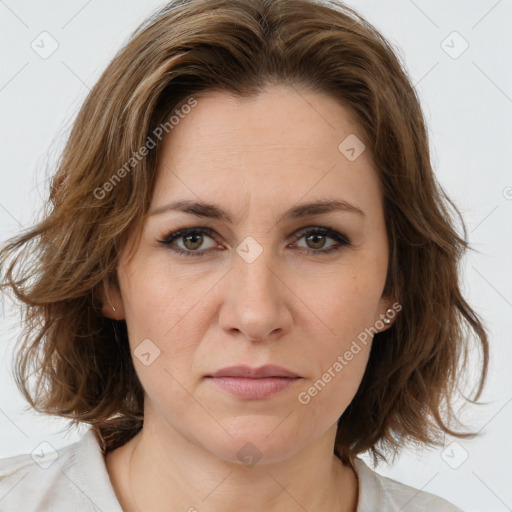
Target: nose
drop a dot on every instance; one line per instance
(256, 300)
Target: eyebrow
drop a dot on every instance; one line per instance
(213, 211)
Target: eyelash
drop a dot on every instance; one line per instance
(330, 233)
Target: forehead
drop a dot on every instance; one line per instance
(280, 145)
(280, 116)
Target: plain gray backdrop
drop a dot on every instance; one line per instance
(458, 57)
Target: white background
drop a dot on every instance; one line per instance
(467, 102)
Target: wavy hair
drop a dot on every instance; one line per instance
(59, 268)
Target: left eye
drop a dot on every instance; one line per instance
(193, 238)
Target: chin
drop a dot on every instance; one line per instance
(255, 440)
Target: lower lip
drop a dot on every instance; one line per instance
(253, 389)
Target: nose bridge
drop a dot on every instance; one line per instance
(254, 269)
(256, 304)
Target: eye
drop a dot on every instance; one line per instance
(315, 238)
(193, 238)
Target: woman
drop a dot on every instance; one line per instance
(246, 276)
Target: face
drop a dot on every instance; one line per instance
(263, 286)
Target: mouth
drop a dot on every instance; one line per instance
(254, 383)
(268, 370)
(254, 388)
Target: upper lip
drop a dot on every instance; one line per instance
(268, 370)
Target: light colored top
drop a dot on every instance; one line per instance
(75, 478)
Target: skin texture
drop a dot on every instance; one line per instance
(256, 159)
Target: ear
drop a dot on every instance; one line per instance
(388, 309)
(113, 306)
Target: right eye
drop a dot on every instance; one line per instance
(192, 239)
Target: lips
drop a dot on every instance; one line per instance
(249, 383)
(268, 370)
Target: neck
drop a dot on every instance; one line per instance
(163, 471)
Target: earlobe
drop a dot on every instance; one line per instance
(112, 302)
(388, 317)
(387, 320)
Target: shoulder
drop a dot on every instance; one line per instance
(71, 478)
(387, 495)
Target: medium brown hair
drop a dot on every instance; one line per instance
(60, 267)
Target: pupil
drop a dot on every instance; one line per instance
(320, 244)
(196, 245)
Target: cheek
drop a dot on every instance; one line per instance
(342, 304)
(164, 322)
(153, 301)
(323, 400)
(346, 310)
